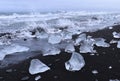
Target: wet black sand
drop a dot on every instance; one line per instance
(101, 61)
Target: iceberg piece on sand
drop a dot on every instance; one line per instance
(95, 72)
(54, 39)
(36, 66)
(25, 78)
(75, 63)
(116, 35)
(81, 38)
(113, 41)
(37, 78)
(12, 49)
(114, 80)
(118, 45)
(51, 50)
(69, 48)
(87, 46)
(101, 42)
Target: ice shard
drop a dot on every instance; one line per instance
(114, 80)
(100, 42)
(75, 63)
(86, 49)
(118, 45)
(116, 35)
(36, 66)
(25, 78)
(70, 48)
(51, 50)
(66, 35)
(81, 38)
(12, 49)
(54, 39)
(87, 46)
(95, 72)
(113, 41)
(37, 78)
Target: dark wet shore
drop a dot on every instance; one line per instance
(101, 62)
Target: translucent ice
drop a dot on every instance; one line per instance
(75, 63)
(54, 39)
(81, 38)
(37, 78)
(110, 27)
(12, 49)
(114, 80)
(118, 45)
(9, 70)
(51, 50)
(101, 42)
(25, 78)
(110, 67)
(95, 72)
(87, 46)
(116, 35)
(69, 48)
(36, 66)
(66, 35)
(113, 41)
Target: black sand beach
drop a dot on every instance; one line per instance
(101, 62)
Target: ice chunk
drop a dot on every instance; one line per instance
(69, 48)
(9, 70)
(116, 35)
(25, 78)
(54, 39)
(113, 41)
(110, 27)
(118, 45)
(81, 38)
(74, 30)
(110, 67)
(66, 35)
(95, 72)
(37, 78)
(12, 49)
(87, 46)
(51, 51)
(36, 66)
(114, 80)
(101, 42)
(75, 63)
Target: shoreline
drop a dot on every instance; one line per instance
(101, 61)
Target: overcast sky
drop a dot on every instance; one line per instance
(53, 5)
